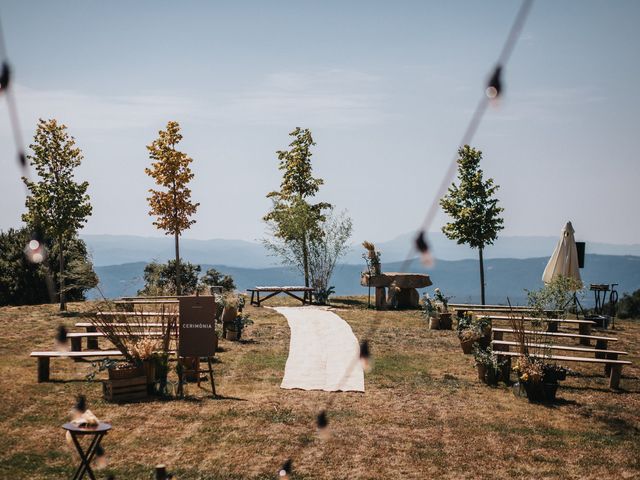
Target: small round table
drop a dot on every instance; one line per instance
(97, 432)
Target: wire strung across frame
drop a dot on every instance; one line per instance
(35, 251)
(492, 91)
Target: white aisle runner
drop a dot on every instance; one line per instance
(322, 349)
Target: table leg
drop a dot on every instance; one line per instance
(86, 457)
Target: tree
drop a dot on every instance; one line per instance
(172, 207)
(325, 250)
(475, 211)
(293, 221)
(213, 277)
(162, 278)
(25, 283)
(57, 204)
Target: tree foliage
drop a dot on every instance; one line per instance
(325, 250)
(213, 277)
(57, 205)
(160, 278)
(25, 283)
(472, 206)
(294, 221)
(629, 305)
(172, 206)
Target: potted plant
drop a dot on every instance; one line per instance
(233, 330)
(488, 365)
(443, 309)
(538, 378)
(472, 332)
(430, 312)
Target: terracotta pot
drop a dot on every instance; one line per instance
(434, 323)
(232, 335)
(446, 322)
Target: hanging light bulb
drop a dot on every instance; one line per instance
(62, 339)
(285, 470)
(35, 251)
(365, 356)
(101, 458)
(423, 247)
(322, 422)
(494, 86)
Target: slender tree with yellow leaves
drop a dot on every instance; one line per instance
(171, 206)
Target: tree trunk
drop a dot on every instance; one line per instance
(63, 303)
(481, 276)
(178, 282)
(305, 259)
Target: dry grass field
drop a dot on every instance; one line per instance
(424, 413)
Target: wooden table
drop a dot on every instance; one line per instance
(97, 432)
(273, 291)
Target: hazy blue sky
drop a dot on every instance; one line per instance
(386, 87)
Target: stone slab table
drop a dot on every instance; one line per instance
(402, 288)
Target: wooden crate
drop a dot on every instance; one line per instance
(125, 389)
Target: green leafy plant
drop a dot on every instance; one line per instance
(443, 301)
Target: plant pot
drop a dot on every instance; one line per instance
(446, 322)
(485, 340)
(149, 367)
(232, 335)
(121, 373)
(229, 314)
(482, 372)
(550, 390)
(467, 345)
(434, 323)
(492, 376)
(541, 392)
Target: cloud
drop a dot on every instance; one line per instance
(329, 98)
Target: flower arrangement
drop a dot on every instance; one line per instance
(488, 364)
(372, 257)
(429, 307)
(472, 330)
(442, 300)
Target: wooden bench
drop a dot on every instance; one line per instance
(614, 366)
(601, 342)
(92, 343)
(137, 314)
(273, 291)
(92, 338)
(584, 326)
(505, 345)
(45, 357)
(460, 308)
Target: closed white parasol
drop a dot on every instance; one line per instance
(564, 260)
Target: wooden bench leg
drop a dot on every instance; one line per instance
(76, 344)
(92, 343)
(614, 378)
(607, 368)
(497, 335)
(43, 369)
(552, 327)
(601, 345)
(584, 329)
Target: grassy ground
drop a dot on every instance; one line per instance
(424, 414)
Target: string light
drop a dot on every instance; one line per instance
(322, 422)
(366, 361)
(62, 339)
(101, 459)
(285, 470)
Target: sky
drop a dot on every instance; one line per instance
(387, 89)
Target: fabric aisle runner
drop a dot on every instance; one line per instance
(321, 350)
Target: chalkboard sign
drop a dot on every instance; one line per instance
(197, 327)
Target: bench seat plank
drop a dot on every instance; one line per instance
(558, 334)
(561, 347)
(554, 320)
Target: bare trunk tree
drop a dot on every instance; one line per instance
(481, 276)
(178, 278)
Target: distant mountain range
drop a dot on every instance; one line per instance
(120, 249)
(505, 277)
